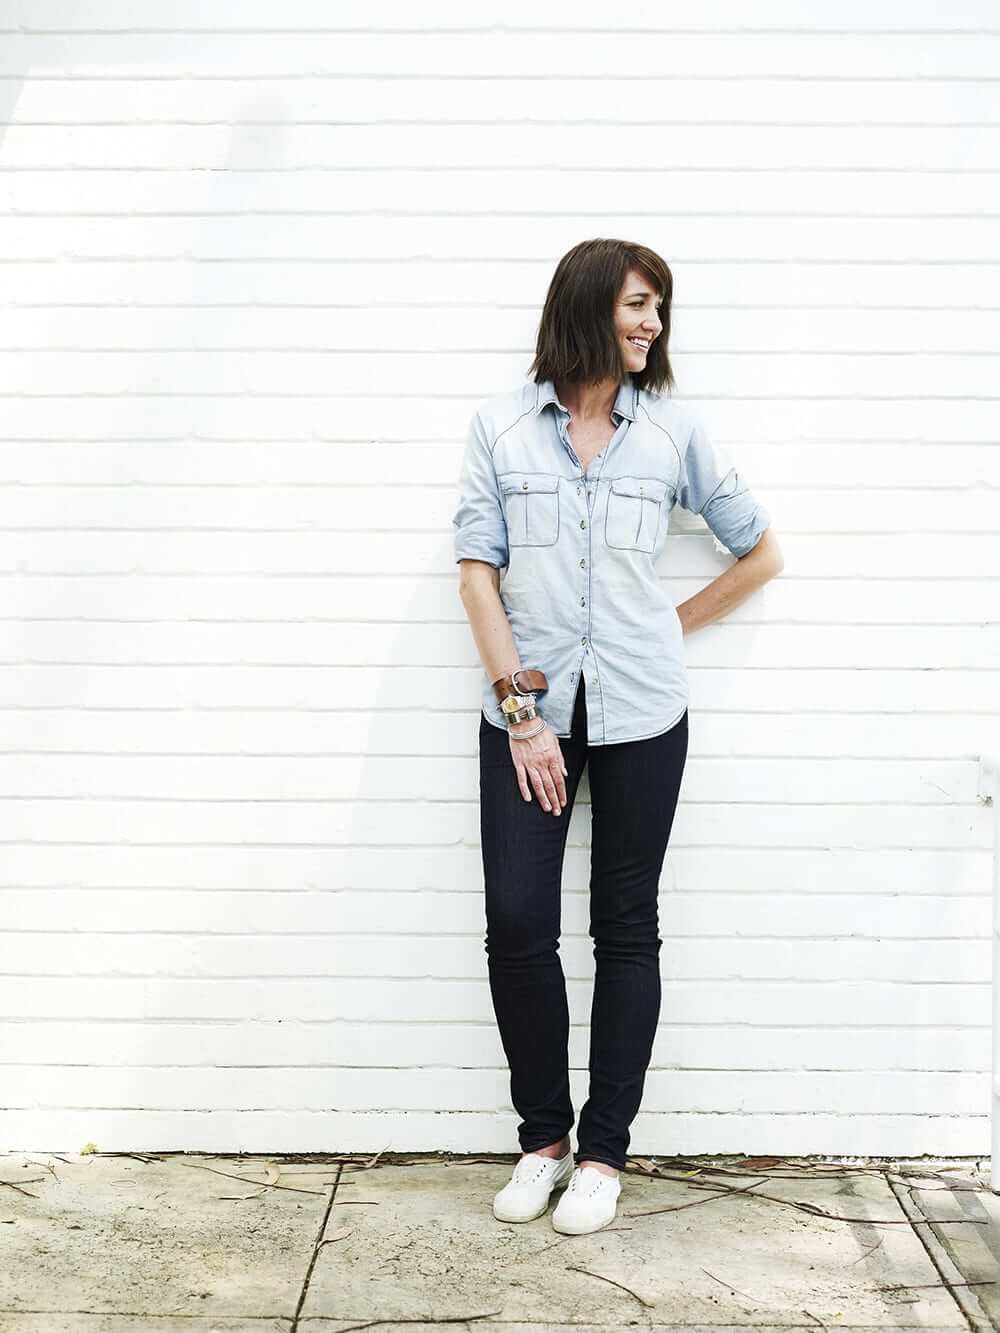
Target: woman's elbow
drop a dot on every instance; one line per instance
(767, 553)
(475, 577)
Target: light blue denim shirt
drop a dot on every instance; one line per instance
(578, 549)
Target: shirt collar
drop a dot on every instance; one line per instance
(625, 403)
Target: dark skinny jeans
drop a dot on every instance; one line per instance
(634, 786)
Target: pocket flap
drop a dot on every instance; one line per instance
(645, 488)
(526, 483)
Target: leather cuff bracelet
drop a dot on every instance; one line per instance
(521, 681)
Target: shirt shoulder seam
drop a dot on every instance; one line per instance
(500, 434)
(652, 419)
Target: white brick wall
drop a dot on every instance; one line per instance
(259, 263)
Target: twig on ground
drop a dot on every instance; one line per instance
(620, 1285)
(200, 1166)
(31, 1181)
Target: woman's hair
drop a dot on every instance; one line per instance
(576, 338)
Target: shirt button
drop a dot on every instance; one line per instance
(524, 485)
(583, 523)
(578, 490)
(582, 563)
(583, 601)
(584, 639)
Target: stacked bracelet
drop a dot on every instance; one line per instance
(518, 707)
(527, 735)
(518, 704)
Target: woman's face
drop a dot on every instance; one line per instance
(637, 316)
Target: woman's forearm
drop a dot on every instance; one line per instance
(491, 630)
(733, 586)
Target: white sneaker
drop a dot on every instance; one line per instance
(589, 1203)
(526, 1195)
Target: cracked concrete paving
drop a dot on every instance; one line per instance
(159, 1243)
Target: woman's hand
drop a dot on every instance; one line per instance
(540, 760)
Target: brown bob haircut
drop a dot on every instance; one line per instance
(576, 340)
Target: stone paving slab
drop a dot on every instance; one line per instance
(106, 1244)
(77, 1322)
(423, 1243)
(24, 1323)
(968, 1233)
(114, 1234)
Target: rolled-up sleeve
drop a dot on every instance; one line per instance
(480, 526)
(719, 495)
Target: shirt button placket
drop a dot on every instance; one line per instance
(583, 565)
(582, 488)
(589, 491)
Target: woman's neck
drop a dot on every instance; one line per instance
(589, 402)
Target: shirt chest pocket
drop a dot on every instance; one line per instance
(531, 507)
(632, 521)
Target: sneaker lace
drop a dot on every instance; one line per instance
(577, 1181)
(528, 1169)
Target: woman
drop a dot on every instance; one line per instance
(567, 484)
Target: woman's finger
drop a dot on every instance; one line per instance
(550, 790)
(539, 785)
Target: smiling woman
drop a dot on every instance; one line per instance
(637, 320)
(578, 345)
(567, 485)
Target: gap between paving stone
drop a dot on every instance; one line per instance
(320, 1242)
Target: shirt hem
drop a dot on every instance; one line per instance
(649, 735)
(565, 736)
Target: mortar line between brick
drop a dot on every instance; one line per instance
(949, 1272)
(316, 1249)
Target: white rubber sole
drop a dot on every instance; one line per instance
(502, 1217)
(570, 1230)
